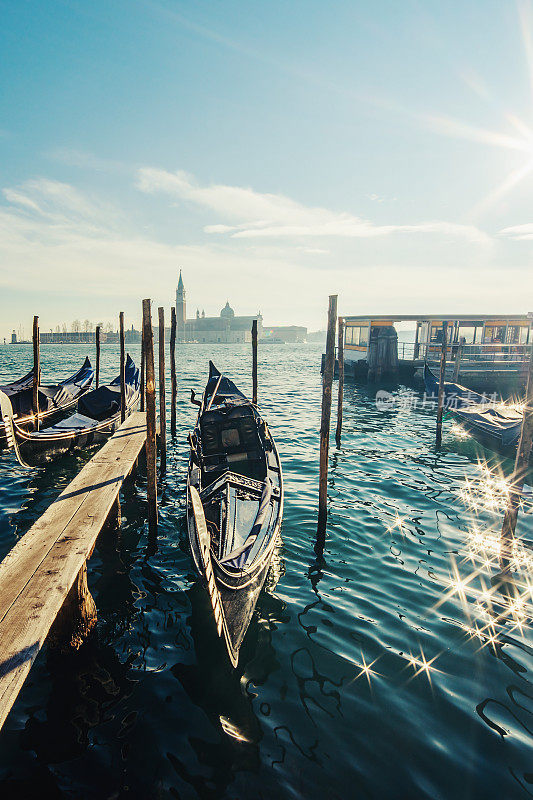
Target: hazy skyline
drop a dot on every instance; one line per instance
(276, 153)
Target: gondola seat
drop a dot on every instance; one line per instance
(230, 442)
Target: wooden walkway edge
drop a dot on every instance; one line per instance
(38, 574)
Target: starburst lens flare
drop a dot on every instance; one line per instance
(493, 609)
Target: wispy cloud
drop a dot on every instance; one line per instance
(85, 160)
(274, 215)
(59, 202)
(518, 232)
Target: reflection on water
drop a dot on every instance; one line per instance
(382, 661)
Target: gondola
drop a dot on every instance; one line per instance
(235, 504)
(497, 426)
(54, 400)
(97, 417)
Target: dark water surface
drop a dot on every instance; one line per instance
(148, 709)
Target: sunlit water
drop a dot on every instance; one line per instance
(149, 709)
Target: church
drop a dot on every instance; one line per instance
(224, 329)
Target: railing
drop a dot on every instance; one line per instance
(509, 354)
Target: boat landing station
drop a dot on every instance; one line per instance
(488, 352)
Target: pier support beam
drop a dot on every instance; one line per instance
(382, 353)
(97, 341)
(254, 362)
(440, 407)
(173, 381)
(77, 616)
(36, 371)
(327, 381)
(151, 474)
(162, 398)
(457, 361)
(520, 471)
(340, 395)
(142, 379)
(122, 369)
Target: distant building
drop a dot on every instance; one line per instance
(285, 333)
(14, 337)
(224, 329)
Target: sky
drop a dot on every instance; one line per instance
(277, 152)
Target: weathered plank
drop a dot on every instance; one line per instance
(39, 572)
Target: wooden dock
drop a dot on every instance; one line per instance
(43, 579)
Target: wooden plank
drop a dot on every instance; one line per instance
(39, 572)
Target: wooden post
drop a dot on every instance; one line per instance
(97, 336)
(150, 419)
(340, 396)
(440, 408)
(142, 368)
(327, 381)
(254, 362)
(36, 371)
(416, 347)
(76, 618)
(122, 370)
(173, 381)
(458, 356)
(521, 468)
(162, 400)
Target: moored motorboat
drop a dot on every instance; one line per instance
(235, 505)
(53, 400)
(97, 417)
(498, 425)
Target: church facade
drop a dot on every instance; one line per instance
(224, 329)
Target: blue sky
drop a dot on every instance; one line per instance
(275, 151)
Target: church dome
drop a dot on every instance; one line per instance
(227, 312)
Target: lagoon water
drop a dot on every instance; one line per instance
(149, 709)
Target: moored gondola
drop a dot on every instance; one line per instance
(235, 504)
(54, 400)
(97, 417)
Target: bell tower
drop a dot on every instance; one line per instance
(181, 310)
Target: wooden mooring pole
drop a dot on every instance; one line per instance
(36, 371)
(162, 399)
(458, 356)
(327, 380)
(254, 362)
(173, 381)
(122, 369)
(97, 337)
(440, 408)
(520, 471)
(142, 381)
(150, 419)
(340, 395)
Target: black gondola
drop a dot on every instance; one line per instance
(54, 400)
(97, 417)
(235, 504)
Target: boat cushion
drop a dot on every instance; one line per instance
(100, 403)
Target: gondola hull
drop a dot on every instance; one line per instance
(244, 492)
(80, 431)
(54, 401)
